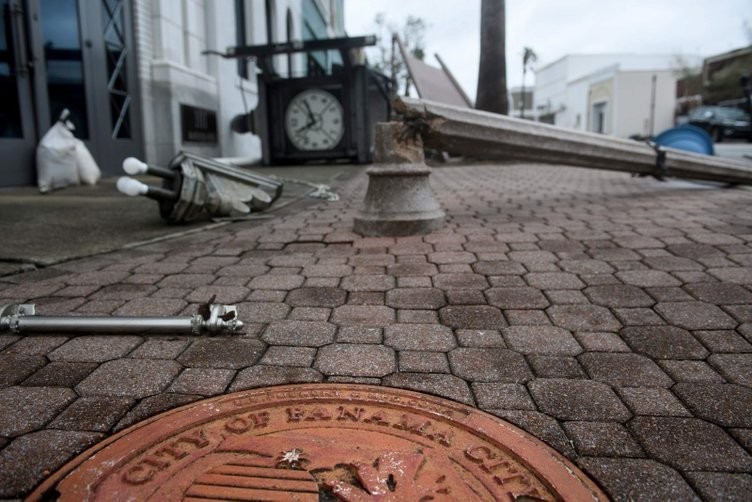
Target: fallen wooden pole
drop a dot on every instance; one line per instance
(488, 136)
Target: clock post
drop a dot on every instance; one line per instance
(399, 200)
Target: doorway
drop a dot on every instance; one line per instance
(74, 54)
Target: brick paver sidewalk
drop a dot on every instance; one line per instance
(610, 317)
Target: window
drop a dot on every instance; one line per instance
(240, 38)
(599, 118)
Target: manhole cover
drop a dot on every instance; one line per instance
(321, 442)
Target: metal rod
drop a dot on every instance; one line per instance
(212, 319)
(34, 324)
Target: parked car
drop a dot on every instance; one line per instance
(722, 122)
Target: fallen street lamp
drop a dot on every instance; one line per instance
(212, 319)
(194, 184)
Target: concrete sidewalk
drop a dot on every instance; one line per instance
(609, 316)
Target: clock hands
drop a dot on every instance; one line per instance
(311, 118)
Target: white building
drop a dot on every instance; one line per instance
(134, 76)
(617, 94)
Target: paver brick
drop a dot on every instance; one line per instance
(415, 298)
(648, 278)
(362, 315)
(694, 251)
(480, 338)
(278, 282)
(516, 298)
(736, 368)
(422, 361)
(671, 294)
(727, 405)
(417, 336)
(541, 340)
(95, 348)
(555, 367)
(152, 405)
(501, 267)
(472, 317)
(359, 334)
(460, 281)
(222, 294)
(624, 369)
(412, 269)
(695, 315)
(316, 297)
(14, 368)
(327, 270)
(489, 365)
(721, 485)
(464, 297)
(186, 280)
(690, 444)
(124, 377)
(368, 360)
(638, 317)
(30, 458)
(152, 307)
(664, 342)
(737, 275)
(299, 333)
(540, 425)
(554, 280)
(627, 479)
(602, 439)
(719, 293)
(451, 257)
(264, 375)
(160, 348)
(526, 318)
(506, 281)
(652, 401)
(96, 413)
(583, 318)
(123, 292)
(506, 396)
(527, 257)
(690, 371)
(59, 374)
(442, 385)
(27, 409)
(568, 399)
(723, 341)
(229, 353)
(203, 381)
(618, 295)
(263, 311)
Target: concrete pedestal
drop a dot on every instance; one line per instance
(399, 200)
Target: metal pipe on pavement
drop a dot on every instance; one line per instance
(216, 320)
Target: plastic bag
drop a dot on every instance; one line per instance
(88, 170)
(56, 158)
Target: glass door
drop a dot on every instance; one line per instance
(74, 54)
(17, 122)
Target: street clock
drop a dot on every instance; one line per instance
(326, 115)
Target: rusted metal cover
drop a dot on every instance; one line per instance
(321, 442)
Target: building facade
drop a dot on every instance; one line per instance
(617, 94)
(141, 77)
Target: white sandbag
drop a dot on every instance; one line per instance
(56, 159)
(88, 170)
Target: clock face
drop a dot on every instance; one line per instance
(314, 120)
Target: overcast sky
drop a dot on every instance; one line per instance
(554, 28)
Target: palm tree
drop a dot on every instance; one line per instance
(529, 58)
(492, 70)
